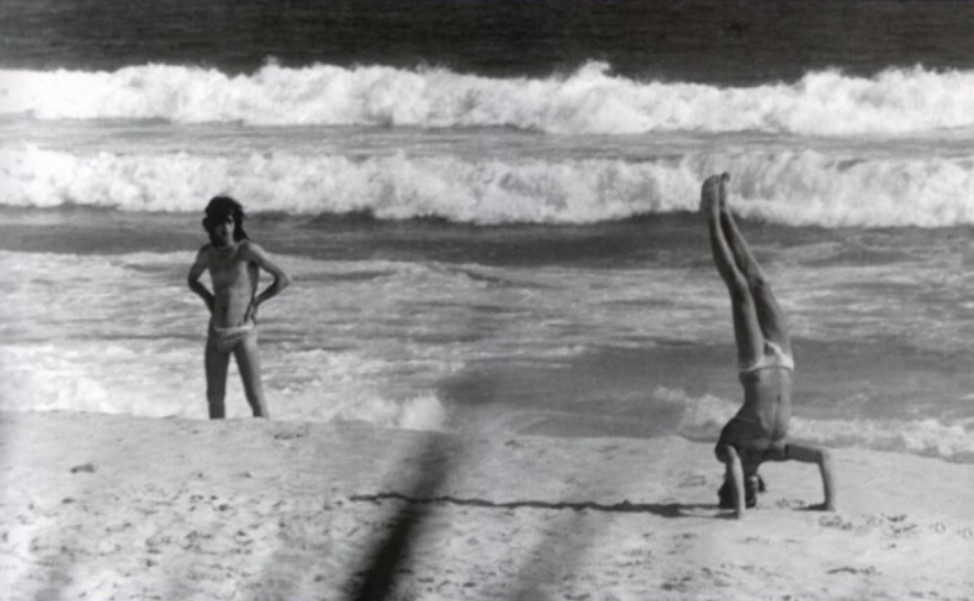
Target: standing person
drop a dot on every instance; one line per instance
(234, 263)
(758, 432)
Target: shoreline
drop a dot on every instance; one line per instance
(102, 506)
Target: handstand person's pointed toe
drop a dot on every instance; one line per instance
(710, 193)
(722, 191)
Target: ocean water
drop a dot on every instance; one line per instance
(489, 209)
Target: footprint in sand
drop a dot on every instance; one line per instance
(790, 504)
(691, 480)
(677, 584)
(291, 433)
(834, 521)
(867, 571)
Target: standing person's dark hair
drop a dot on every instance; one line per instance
(217, 211)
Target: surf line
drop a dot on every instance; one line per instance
(664, 509)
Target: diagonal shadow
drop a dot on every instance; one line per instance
(381, 571)
(667, 510)
(379, 574)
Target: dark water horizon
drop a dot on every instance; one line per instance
(736, 42)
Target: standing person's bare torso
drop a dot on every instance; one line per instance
(234, 280)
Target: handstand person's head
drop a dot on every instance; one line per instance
(752, 486)
(221, 212)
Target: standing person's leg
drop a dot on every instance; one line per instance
(747, 329)
(248, 362)
(216, 363)
(771, 318)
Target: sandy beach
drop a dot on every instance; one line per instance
(110, 507)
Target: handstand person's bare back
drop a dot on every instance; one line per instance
(758, 432)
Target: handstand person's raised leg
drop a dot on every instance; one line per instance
(747, 329)
(771, 318)
(821, 457)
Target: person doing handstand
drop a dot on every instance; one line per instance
(234, 263)
(759, 430)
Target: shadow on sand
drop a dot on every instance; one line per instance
(667, 510)
(381, 567)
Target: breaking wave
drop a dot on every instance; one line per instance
(791, 187)
(590, 100)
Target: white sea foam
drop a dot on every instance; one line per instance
(373, 341)
(703, 418)
(112, 376)
(108, 377)
(590, 100)
(122, 334)
(783, 186)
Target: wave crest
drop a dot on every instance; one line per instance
(797, 188)
(590, 100)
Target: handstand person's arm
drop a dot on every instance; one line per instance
(820, 456)
(193, 279)
(734, 475)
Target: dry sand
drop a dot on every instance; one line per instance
(105, 507)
